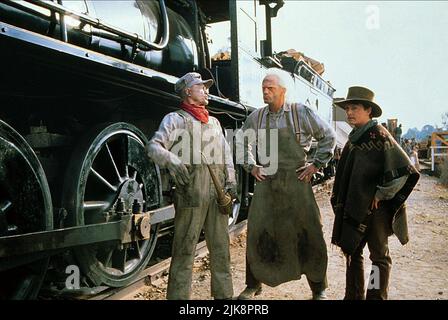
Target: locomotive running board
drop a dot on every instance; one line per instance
(13, 249)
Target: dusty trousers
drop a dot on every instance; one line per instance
(377, 242)
(188, 224)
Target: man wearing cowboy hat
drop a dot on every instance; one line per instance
(174, 146)
(374, 177)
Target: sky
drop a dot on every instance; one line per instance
(398, 49)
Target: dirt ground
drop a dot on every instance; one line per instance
(419, 269)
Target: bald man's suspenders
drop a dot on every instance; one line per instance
(295, 120)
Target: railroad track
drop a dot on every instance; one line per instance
(153, 273)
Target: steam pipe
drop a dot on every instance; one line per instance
(145, 45)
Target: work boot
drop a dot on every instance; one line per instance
(320, 295)
(249, 293)
(318, 289)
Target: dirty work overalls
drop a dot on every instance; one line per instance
(196, 208)
(285, 238)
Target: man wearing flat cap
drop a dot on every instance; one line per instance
(178, 145)
(374, 178)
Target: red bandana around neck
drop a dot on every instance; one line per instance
(199, 112)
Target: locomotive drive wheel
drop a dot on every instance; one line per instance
(111, 163)
(25, 206)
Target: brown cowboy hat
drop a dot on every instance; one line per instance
(360, 95)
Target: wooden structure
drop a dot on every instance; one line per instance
(439, 147)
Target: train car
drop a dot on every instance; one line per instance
(84, 86)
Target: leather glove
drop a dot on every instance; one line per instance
(178, 172)
(232, 190)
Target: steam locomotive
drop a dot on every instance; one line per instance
(84, 84)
